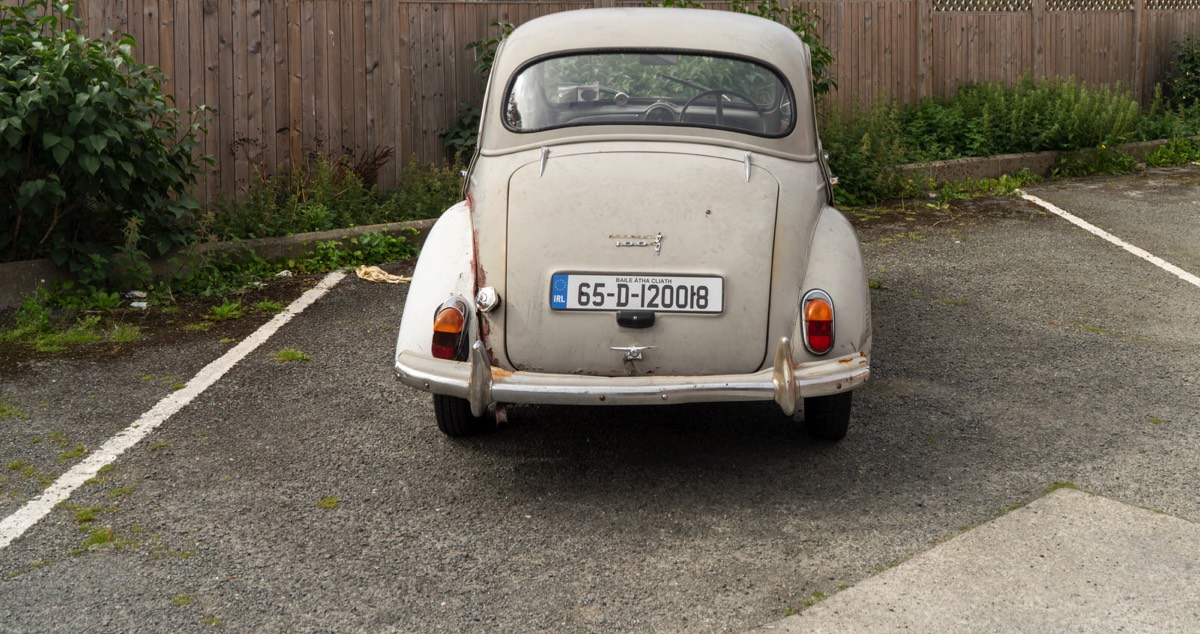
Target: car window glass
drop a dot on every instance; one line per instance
(649, 88)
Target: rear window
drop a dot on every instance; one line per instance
(657, 88)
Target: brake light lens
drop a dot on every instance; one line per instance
(447, 331)
(818, 321)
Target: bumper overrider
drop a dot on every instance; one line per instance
(786, 383)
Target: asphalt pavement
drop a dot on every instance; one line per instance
(1024, 458)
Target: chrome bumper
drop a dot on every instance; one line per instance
(480, 384)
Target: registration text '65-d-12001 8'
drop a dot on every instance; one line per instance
(665, 293)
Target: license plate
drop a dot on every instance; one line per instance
(659, 293)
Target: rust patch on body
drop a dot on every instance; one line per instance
(485, 327)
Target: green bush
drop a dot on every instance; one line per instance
(94, 160)
(1174, 152)
(1182, 84)
(867, 148)
(986, 119)
(332, 194)
(463, 135)
(865, 152)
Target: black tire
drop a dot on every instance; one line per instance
(455, 420)
(828, 417)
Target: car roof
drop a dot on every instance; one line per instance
(721, 32)
(638, 27)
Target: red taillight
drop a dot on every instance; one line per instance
(818, 322)
(447, 332)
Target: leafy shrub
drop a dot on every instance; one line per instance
(985, 119)
(93, 157)
(1174, 152)
(425, 191)
(1100, 160)
(1182, 84)
(463, 135)
(330, 194)
(865, 152)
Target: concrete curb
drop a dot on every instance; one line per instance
(20, 278)
(1069, 561)
(1038, 163)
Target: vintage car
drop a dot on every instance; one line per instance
(647, 220)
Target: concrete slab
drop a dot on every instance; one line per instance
(1070, 561)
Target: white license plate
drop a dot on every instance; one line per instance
(658, 293)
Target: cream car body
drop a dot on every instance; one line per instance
(625, 248)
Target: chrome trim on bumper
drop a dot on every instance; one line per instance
(785, 383)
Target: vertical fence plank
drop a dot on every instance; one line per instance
(295, 57)
(358, 61)
(275, 31)
(332, 59)
(319, 109)
(257, 93)
(240, 147)
(409, 65)
(389, 38)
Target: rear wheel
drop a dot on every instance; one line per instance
(827, 417)
(454, 417)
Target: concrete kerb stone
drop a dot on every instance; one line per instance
(17, 279)
(1038, 163)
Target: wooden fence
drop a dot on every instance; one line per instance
(285, 78)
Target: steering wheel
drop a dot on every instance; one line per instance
(720, 92)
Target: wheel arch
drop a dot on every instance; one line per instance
(445, 268)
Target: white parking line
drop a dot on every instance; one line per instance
(1093, 229)
(16, 524)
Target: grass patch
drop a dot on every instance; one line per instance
(86, 514)
(120, 492)
(7, 410)
(76, 453)
(225, 311)
(269, 307)
(125, 333)
(101, 537)
(36, 327)
(813, 599)
(213, 620)
(290, 354)
(59, 439)
(1153, 421)
(25, 470)
(328, 503)
(181, 600)
(1059, 485)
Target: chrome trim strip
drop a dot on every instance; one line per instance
(787, 393)
(479, 388)
(458, 378)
